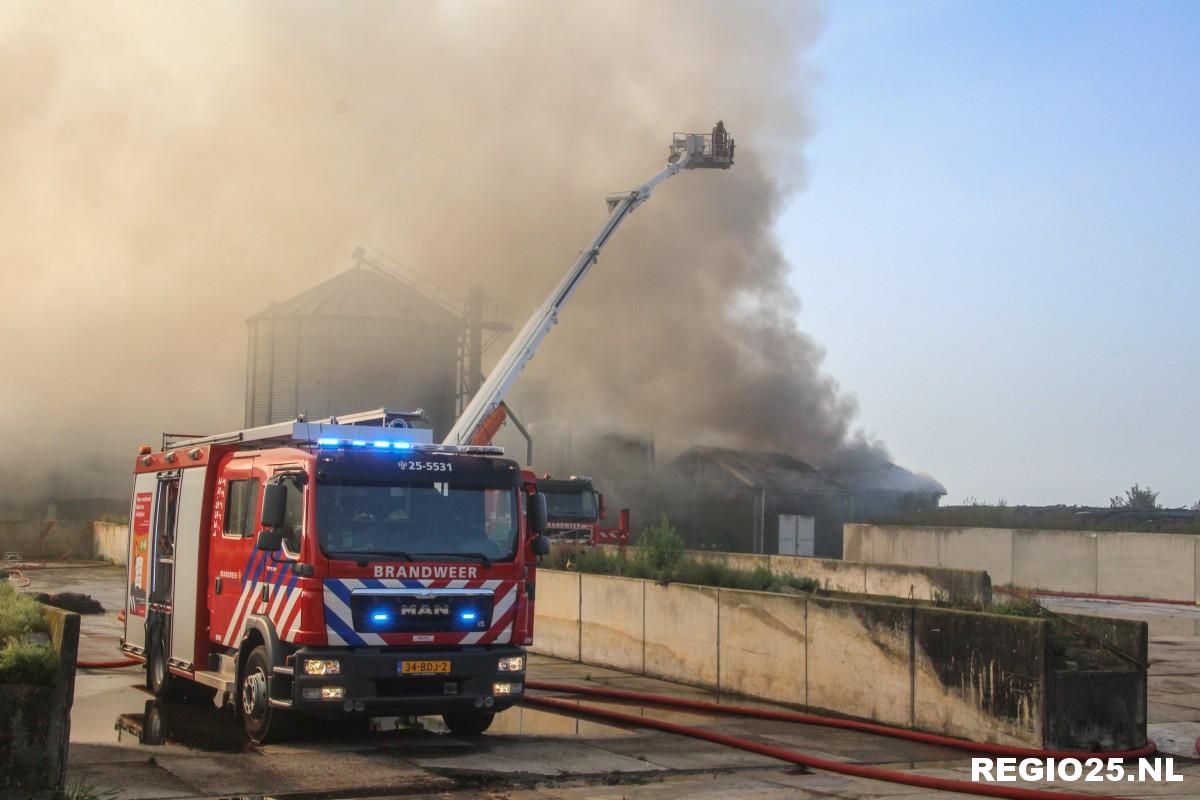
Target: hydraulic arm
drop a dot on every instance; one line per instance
(482, 414)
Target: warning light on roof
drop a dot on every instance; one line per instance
(359, 443)
(402, 445)
(382, 444)
(327, 442)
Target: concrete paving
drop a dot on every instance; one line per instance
(124, 739)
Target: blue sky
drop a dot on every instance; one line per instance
(999, 243)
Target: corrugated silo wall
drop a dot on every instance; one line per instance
(319, 366)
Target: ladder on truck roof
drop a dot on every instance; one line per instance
(378, 429)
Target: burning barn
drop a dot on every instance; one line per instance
(760, 502)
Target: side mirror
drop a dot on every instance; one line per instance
(270, 540)
(274, 500)
(541, 545)
(537, 513)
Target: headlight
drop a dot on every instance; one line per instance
(511, 664)
(314, 666)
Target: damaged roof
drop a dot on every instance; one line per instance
(762, 470)
(782, 472)
(885, 477)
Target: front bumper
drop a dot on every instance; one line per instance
(373, 684)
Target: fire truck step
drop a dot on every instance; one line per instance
(282, 670)
(218, 680)
(277, 703)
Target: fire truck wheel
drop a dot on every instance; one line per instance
(264, 723)
(159, 680)
(471, 723)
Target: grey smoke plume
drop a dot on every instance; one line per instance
(168, 169)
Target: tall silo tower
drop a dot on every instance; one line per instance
(363, 339)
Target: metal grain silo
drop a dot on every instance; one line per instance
(361, 340)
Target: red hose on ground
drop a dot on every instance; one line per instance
(830, 722)
(792, 757)
(115, 664)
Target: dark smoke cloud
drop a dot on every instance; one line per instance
(168, 169)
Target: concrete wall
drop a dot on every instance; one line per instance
(110, 542)
(964, 586)
(37, 539)
(972, 675)
(612, 620)
(35, 728)
(1155, 566)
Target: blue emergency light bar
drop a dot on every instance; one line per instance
(424, 447)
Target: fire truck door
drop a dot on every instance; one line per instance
(137, 593)
(162, 557)
(187, 568)
(232, 556)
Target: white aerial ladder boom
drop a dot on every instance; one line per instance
(688, 151)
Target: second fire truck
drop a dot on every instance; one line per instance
(575, 510)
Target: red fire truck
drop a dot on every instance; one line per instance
(574, 510)
(352, 566)
(334, 569)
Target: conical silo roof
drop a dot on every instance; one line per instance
(363, 292)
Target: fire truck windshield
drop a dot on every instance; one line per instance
(570, 504)
(419, 520)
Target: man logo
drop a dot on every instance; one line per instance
(425, 610)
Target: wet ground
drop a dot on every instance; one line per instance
(124, 739)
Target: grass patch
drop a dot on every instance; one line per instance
(658, 554)
(1057, 518)
(20, 615)
(22, 660)
(1071, 646)
(86, 791)
(1018, 606)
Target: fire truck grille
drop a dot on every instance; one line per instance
(415, 687)
(429, 612)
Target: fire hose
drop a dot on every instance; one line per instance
(18, 571)
(114, 664)
(793, 757)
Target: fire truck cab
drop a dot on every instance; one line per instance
(333, 570)
(574, 510)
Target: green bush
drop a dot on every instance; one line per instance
(660, 546)
(1018, 606)
(20, 615)
(660, 555)
(22, 662)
